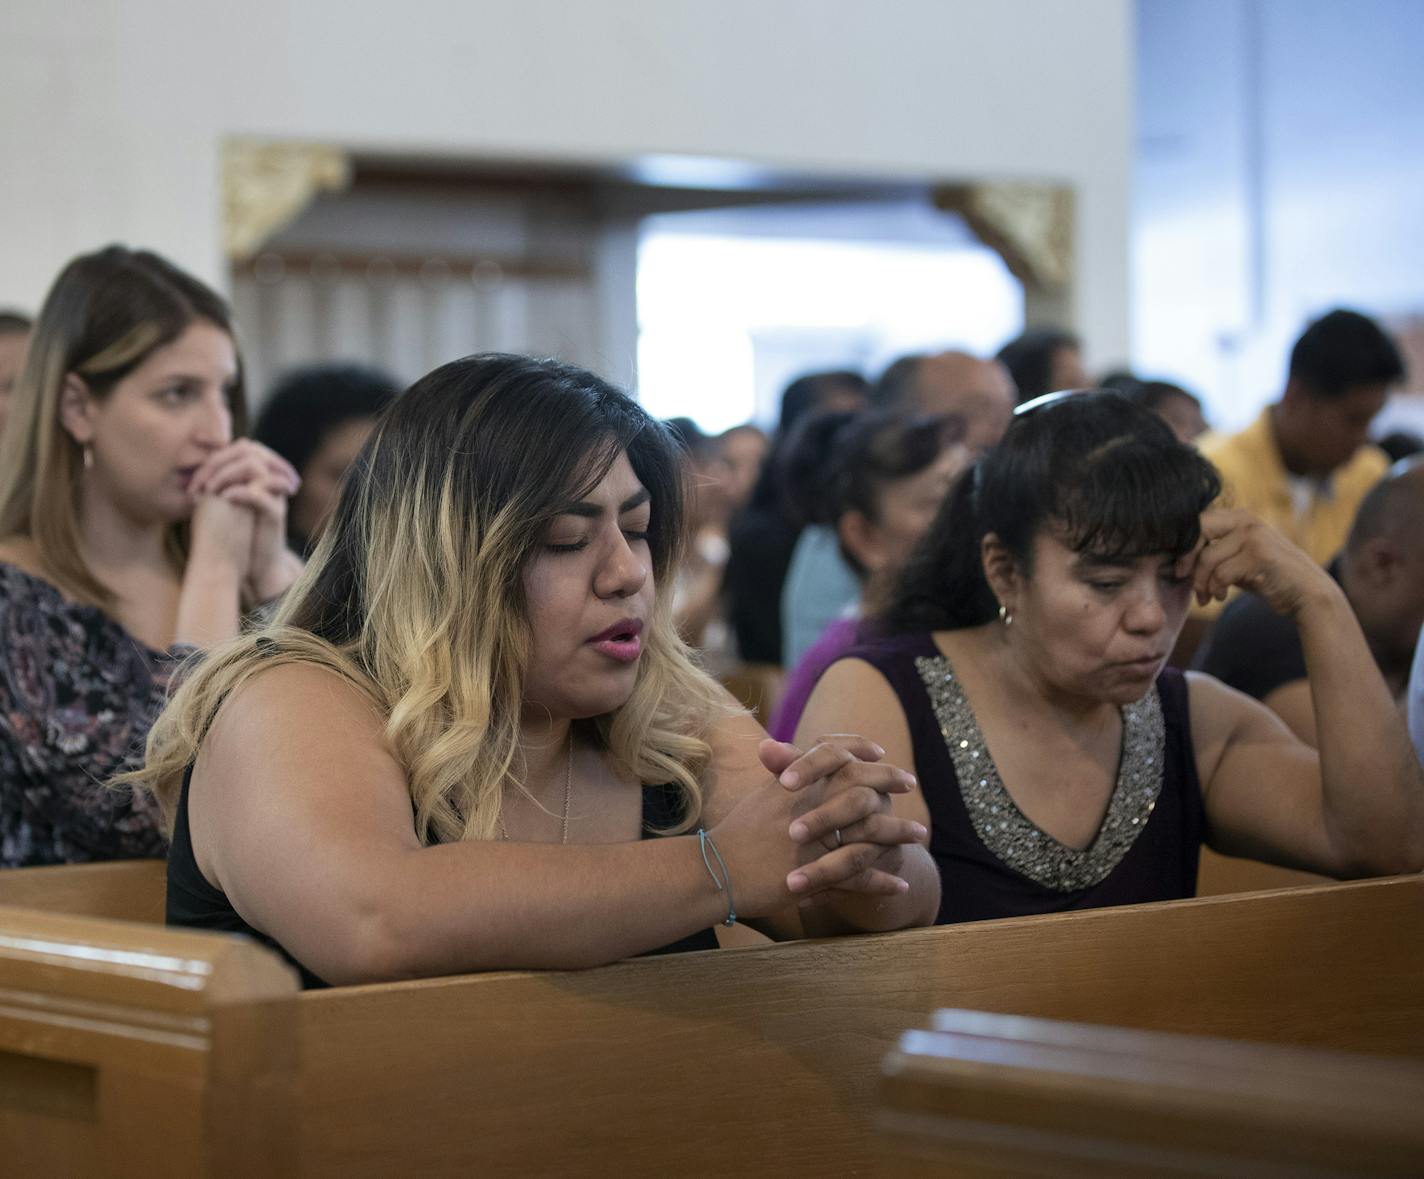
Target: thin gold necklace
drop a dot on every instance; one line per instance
(568, 795)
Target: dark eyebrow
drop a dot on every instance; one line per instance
(1100, 561)
(592, 511)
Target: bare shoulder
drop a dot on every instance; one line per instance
(1215, 706)
(854, 697)
(297, 708)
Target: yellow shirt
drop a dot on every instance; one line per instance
(1255, 478)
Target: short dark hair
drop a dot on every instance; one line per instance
(1341, 351)
(878, 449)
(809, 392)
(1152, 394)
(895, 387)
(801, 399)
(14, 323)
(804, 467)
(1107, 475)
(308, 403)
(1029, 359)
(1400, 444)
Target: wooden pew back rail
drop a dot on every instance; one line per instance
(193, 1053)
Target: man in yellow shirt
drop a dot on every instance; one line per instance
(1305, 464)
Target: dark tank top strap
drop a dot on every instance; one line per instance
(1180, 771)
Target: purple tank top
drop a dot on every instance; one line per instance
(993, 861)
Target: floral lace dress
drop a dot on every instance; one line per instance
(77, 696)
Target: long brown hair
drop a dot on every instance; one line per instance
(104, 315)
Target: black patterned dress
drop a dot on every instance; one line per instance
(77, 696)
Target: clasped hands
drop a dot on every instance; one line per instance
(254, 483)
(851, 843)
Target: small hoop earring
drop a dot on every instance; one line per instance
(1005, 617)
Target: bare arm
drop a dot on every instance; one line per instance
(284, 805)
(210, 600)
(1357, 807)
(853, 695)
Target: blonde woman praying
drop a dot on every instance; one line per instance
(471, 739)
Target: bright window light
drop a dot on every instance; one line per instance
(725, 322)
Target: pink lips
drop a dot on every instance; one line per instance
(620, 641)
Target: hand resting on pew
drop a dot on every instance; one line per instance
(1019, 671)
(470, 739)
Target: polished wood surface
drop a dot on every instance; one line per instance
(764, 1060)
(127, 890)
(130, 1049)
(759, 1061)
(1008, 1095)
(1220, 875)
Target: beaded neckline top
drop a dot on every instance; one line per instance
(1006, 831)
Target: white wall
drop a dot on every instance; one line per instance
(1280, 172)
(111, 112)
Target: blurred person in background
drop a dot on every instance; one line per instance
(135, 526)
(820, 586)
(1174, 405)
(317, 418)
(1305, 464)
(763, 535)
(1400, 444)
(697, 590)
(1044, 360)
(744, 450)
(979, 391)
(14, 335)
(1381, 571)
(887, 476)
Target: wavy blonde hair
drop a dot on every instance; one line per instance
(415, 593)
(106, 313)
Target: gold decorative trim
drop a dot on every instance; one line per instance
(1029, 225)
(266, 185)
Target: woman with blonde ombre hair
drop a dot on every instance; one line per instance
(133, 529)
(448, 750)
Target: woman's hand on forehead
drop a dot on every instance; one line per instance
(1237, 550)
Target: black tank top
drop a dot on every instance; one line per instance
(993, 861)
(194, 902)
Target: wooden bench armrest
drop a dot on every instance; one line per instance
(1044, 1097)
(130, 1048)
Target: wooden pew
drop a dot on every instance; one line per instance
(132, 1049)
(1009, 1095)
(1219, 875)
(753, 1061)
(125, 890)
